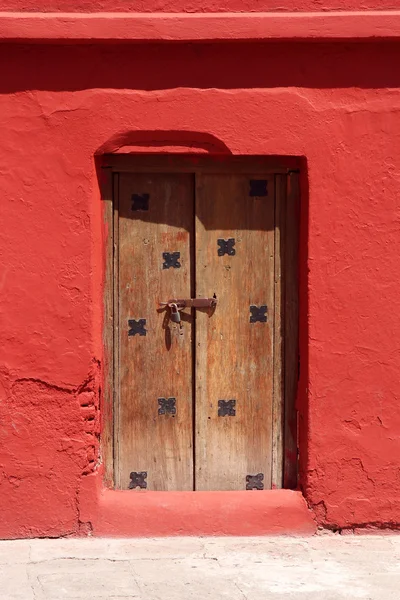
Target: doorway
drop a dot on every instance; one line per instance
(205, 324)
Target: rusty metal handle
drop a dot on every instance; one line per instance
(191, 302)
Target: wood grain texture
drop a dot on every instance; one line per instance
(107, 398)
(234, 358)
(158, 364)
(291, 309)
(176, 163)
(117, 426)
(254, 364)
(279, 328)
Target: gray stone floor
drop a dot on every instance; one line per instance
(324, 567)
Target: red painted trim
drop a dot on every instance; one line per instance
(139, 514)
(142, 27)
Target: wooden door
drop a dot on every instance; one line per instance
(199, 405)
(154, 436)
(234, 347)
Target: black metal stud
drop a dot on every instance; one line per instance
(167, 406)
(258, 187)
(140, 202)
(226, 247)
(258, 313)
(255, 482)
(137, 327)
(138, 479)
(171, 259)
(226, 408)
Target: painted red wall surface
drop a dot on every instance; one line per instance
(335, 105)
(191, 6)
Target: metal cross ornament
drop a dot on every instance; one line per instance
(226, 408)
(140, 202)
(167, 406)
(138, 480)
(226, 247)
(255, 482)
(258, 187)
(258, 313)
(171, 259)
(137, 327)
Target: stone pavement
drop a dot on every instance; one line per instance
(324, 567)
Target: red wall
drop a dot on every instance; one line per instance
(335, 105)
(195, 5)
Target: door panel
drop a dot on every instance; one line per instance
(154, 398)
(202, 406)
(234, 346)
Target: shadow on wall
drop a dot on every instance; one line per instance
(159, 140)
(155, 142)
(203, 66)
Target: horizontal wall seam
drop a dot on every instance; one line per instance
(210, 27)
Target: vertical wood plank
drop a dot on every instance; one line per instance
(156, 362)
(278, 394)
(291, 328)
(107, 409)
(234, 357)
(115, 184)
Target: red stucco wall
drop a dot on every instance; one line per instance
(195, 5)
(335, 105)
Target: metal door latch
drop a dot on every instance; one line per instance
(180, 303)
(175, 305)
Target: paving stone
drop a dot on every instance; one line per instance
(325, 567)
(68, 548)
(184, 580)
(81, 578)
(236, 550)
(299, 579)
(14, 582)
(14, 551)
(170, 548)
(118, 549)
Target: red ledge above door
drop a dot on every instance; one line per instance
(166, 27)
(155, 514)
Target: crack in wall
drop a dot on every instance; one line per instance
(370, 526)
(53, 451)
(46, 384)
(88, 395)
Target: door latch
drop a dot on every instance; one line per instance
(180, 303)
(175, 305)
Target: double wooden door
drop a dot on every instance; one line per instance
(200, 403)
